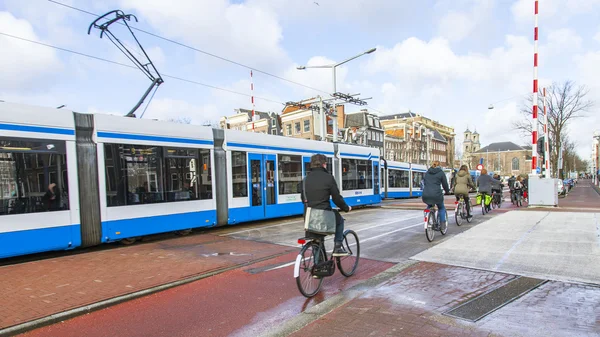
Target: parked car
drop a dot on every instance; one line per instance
(560, 187)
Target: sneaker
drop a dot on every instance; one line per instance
(340, 251)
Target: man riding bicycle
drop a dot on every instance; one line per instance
(320, 184)
(433, 182)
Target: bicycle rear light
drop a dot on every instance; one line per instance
(301, 241)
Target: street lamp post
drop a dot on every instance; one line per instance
(333, 67)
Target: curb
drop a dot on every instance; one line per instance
(68, 314)
(596, 189)
(303, 319)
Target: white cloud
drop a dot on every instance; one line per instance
(23, 64)
(245, 32)
(457, 25)
(565, 39)
(417, 61)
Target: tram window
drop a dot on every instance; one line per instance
(289, 173)
(398, 178)
(349, 174)
(417, 177)
(329, 166)
(24, 188)
(138, 173)
(357, 174)
(239, 166)
(190, 174)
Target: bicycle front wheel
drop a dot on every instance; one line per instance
(348, 264)
(309, 256)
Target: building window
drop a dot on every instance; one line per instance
(273, 121)
(23, 189)
(288, 129)
(307, 126)
(289, 173)
(356, 174)
(515, 164)
(297, 128)
(274, 131)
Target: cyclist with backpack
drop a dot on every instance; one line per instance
(463, 182)
(433, 182)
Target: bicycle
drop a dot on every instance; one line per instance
(313, 264)
(461, 212)
(484, 208)
(432, 222)
(518, 198)
(496, 199)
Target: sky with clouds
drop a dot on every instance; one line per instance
(445, 59)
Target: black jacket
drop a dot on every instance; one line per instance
(320, 184)
(434, 180)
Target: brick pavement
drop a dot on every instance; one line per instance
(411, 304)
(38, 289)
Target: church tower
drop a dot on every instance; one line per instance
(476, 145)
(467, 144)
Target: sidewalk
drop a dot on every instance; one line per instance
(34, 290)
(414, 301)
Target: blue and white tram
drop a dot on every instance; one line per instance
(120, 178)
(37, 149)
(397, 182)
(417, 172)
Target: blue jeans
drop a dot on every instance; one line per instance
(441, 211)
(339, 227)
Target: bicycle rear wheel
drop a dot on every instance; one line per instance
(429, 232)
(309, 256)
(348, 264)
(458, 214)
(444, 226)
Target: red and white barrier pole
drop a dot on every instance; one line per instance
(534, 132)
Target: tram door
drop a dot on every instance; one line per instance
(262, 184)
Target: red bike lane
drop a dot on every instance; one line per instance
(245, 301)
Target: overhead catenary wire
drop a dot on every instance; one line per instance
(198, 50)
(134, 67)
(204, 52)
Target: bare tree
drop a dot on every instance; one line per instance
(565, 102)
(181, 120)
(212, 124)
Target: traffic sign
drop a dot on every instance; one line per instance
(537, 170)
(479, 167)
